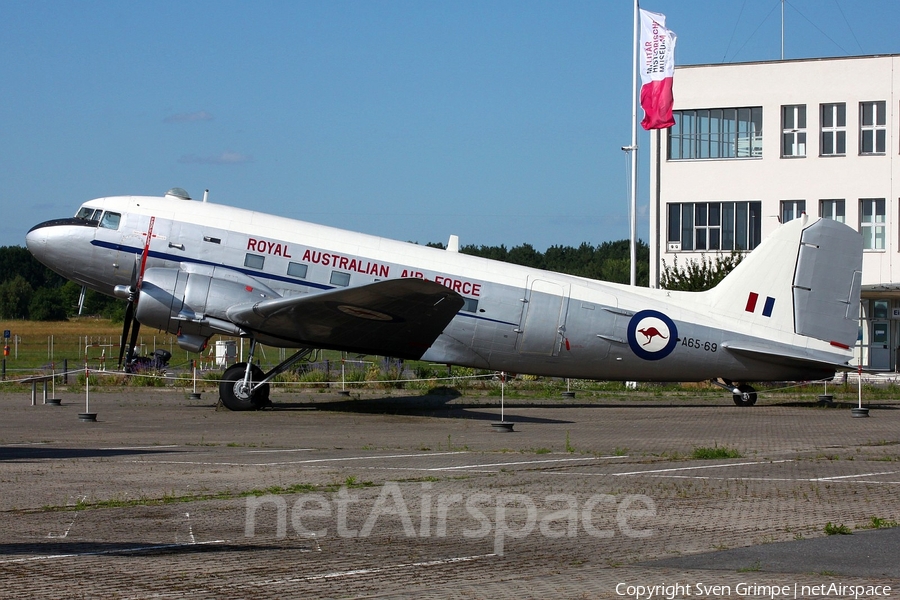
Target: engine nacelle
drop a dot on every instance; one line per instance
(192, 301)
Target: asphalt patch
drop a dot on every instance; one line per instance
(866, 553)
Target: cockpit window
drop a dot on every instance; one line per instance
(89, 214)
(110, 220)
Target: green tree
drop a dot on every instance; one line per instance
(47, 304)
(697, 276)
(95, 303)
(610, 261)
(492, 252)
(526, 255)
(15, 296)
(16, 260)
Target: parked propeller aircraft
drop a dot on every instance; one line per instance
(789, 311)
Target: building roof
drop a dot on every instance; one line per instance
(787, 60)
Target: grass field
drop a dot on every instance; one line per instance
(38, 345)
(42, 348)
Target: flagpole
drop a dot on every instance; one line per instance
(633, 148)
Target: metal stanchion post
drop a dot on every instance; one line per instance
(194, 394)
(87, 415)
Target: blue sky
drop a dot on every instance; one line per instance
(499, 121)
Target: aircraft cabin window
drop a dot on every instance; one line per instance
(254, 261)
(297, 270)
(110, 220)
(340, 279)
(471, 305)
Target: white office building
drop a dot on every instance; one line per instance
(758, 144)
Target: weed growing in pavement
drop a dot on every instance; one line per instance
(756, 566)
(832, 529)
(705, 452)
(879, 523)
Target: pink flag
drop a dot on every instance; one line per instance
(657, 68)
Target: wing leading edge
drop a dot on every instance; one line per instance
(398, 317)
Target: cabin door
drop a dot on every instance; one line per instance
(544, 321)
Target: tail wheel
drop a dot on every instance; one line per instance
(746, 397)
(236, 395)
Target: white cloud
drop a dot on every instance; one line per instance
(200, 115)
(225, 158)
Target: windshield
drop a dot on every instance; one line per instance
(88, 214)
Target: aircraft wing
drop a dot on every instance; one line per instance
(396, 317)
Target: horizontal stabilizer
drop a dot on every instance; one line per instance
(786, 355)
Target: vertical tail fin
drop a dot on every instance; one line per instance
(804, 279)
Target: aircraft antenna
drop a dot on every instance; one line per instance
(205, 195)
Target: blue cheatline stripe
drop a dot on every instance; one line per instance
(178, 258)
(252, 273)
(770, 304)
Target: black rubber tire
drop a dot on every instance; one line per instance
(747, 396)
(229, 389)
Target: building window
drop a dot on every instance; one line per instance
(871, 223)
(832, 209)
(254, 261)
(340, 279)
(704, 226)
(791, 209)
(716, 133)
(297, 270)
(793, 130)
(872, 130)
(834, 130)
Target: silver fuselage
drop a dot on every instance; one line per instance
(516, 319)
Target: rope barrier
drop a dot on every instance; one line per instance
(186, 379)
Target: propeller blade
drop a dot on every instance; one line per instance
(134, 337)
(144, 255)
(131, 322)
(129, 315)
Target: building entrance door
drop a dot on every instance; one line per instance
(880, 347)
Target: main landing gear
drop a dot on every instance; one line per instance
(743, 394)
(244, 386)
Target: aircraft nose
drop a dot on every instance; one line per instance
(36, 240)
(53, 242)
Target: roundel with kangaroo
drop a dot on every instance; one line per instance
(652, 335)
